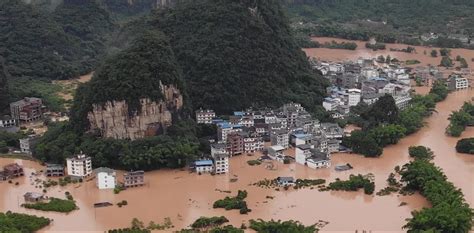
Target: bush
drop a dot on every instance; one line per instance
(465, 145)
(353, 184)
(204, 222)
(14, 222)
(420, 152)
(279, 226)
(236, 202)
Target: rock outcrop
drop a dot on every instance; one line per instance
(114, 120)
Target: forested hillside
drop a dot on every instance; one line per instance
(239, 54)
(4, 92)
(399, 19)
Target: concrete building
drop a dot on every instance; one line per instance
(7, 121)
(205, 116)
(27, 144)
(354, 97)
(79, 166)
(27, 110)
(402, 101)
(13, 170)
(330, 104)
(235, 143)
(280, 137)
(54, 170)
(457, 82)
(313, 158)
(332, 130)
(33, 197)
(224, 129)
(105, 178)
(276, 153)
(221, 163)
(203, 166)
(133, 179)
(285, 181)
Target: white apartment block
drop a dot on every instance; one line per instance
(221, 163)
(354, 96)
(402, 101)
(252, 144)
(79, 166)
(205, 116)
(106, 178)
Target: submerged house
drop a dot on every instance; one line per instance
(33, 197)
(202, 166)
(133, 179)
(285, 181)
(13, 170)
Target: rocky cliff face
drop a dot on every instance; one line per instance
(113, 119)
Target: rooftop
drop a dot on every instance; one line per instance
(207, 162)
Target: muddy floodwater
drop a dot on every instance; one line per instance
(184, 196)
(362, 51)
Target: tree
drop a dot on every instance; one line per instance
(445, 52)
(4, 92)
(446, 62)
(465, 145)
(387, 134)
(388, 60)
(381, 59)
(363, 144)
(440, 90)
(279, 226)
(383, 111)
(420, 152)
(434, 53)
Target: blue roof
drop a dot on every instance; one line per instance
(238, 113)
(203, 163)
(301, 135)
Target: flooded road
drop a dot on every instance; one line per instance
(184, 197)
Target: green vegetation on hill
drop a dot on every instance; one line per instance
(4, 91)
(465, 145)
(130, 75)
(21, 223)
(449, 211)
(36, 45)
(239, 54)
(405, 21)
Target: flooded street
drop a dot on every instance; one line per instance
(184, 197)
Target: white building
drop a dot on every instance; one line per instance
(402, 101)
(247, 121)
(205, 116)
(221, 163)
(203, 166)
(79, 166)
(313, 158)
(276, 153)
(253, 144)
(354, 96)
(330, 104)
(7, 122)
(105, 178)
(281, 138)
(26, 144)
(457, 82)
(224, 129)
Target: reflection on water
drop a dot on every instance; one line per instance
(184, 197)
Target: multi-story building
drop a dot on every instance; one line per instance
(27, 110)
(280, 137)
(313, 158)
(203, 166)
(133, 179)
(106, 178)
(457, 82)
(26, 144)
(221, 163)
(332, 130)
(354, 96)
(7, 121)
(402, 101)
(247, 121)
(235, 143)
(54, 170)
(224, 129)
(330, 104)
(79, 166)
(205, 116)
(252, 143)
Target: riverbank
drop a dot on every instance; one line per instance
(184, 197)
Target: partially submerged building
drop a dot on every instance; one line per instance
(133, 179)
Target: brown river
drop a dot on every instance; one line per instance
(184, 196)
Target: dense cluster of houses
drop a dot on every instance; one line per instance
(362, 81)
(272, 131)
(455, 80)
